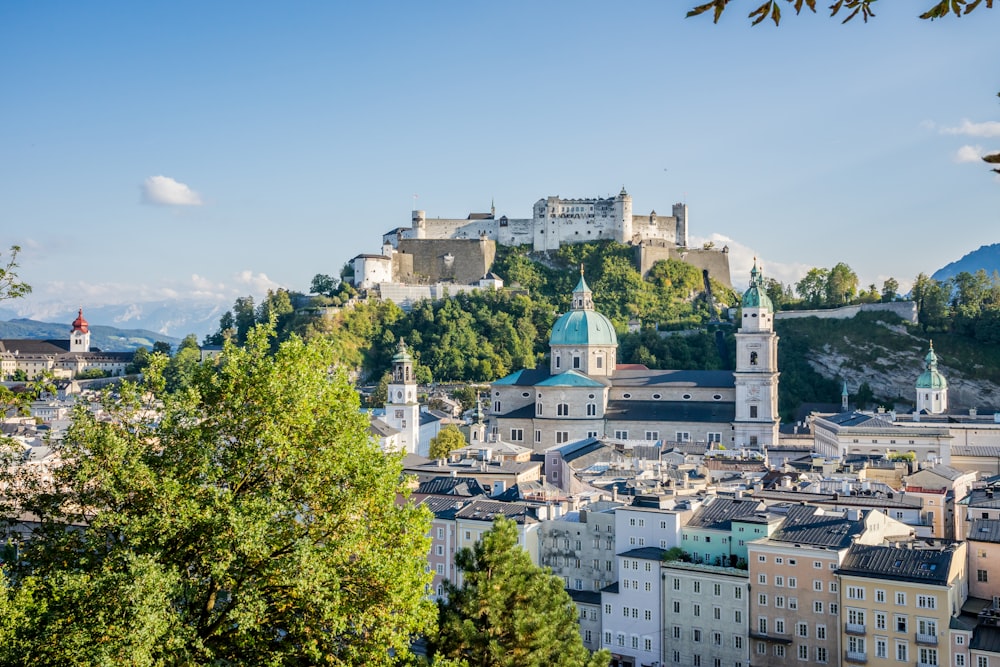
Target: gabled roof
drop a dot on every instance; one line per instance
(570, 379)
(452, 486)
(526, 377)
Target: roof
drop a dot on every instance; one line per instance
(526, 377)
(452, 486)
(984, 530)
(719, 513)
(488, 510)
(644, 553)
(986, 638)
(671, 411)
(583, 327)
(857, 419)
(931, 378)
(672, 378)
(909, 563)
(584, 597)
(570, 378)
(756, 296)
(806, 524)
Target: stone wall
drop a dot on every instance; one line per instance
(716, 261)
(459, 261)
(905, 309)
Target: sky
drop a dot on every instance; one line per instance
(203, 151)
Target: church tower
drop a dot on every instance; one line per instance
(583, 339)
(402, 412)
(932, 388)
(79, 337)
(756, 375)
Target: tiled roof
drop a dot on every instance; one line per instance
(488, 510)
(910, 563)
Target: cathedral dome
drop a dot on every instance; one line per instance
(80, 324)
(583, 327)
(756, 296)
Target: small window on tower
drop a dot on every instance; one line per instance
(753, 358)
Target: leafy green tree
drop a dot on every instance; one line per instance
(245, 316)
(91, 374)
(323, 284)
(180, 370)
(890, 289)
(140, 359)
(771, 9)
(841, 285)
(812, 287)
(253, 523)
(161, 347)
(508, 611)
(446, 441)
(226, 330)
(865, 395)
(11, 286)
(780, 294)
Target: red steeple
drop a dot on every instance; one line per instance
(80, 324)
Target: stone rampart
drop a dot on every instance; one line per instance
(905, 309)
(715, 261)
(459, 261)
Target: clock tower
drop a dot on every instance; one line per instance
(756, 375)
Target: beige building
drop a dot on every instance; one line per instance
(897, 603)
(795, 608)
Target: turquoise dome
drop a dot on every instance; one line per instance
(583, 327)
(931, 378)
(756, 296)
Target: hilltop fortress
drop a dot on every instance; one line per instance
(460, 251)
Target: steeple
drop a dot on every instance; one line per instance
(844, 398)
(79, 337)
(932, 388)
(583, 299)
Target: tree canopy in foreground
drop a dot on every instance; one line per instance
(509, 612)
(247, 519)
(850, 8)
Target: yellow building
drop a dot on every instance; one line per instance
(897, 603)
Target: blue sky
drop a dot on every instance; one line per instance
(202, 151)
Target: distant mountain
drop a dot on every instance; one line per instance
(175, 318)
(987, 257)
(108, 339)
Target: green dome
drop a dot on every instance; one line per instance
(756, 296)
(583, 327)
(931, 378)
(401, 355)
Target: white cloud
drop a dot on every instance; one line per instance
(969, 153)
(970, 129)
(741, 258)
(258, 283)
(165, 191)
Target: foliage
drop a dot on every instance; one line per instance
(446, 441)
(252, 522)
(771, 9)
(180, 370)
(657, 350)
(140, 359)
(324, 284)
(11, 286)
(91, 374)
(508, 611)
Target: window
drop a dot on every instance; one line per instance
(717, 638)
(697, 635)
(855, 593)
(821, 654)
(802, 629)
(833, 586)
(817, 607)
(647, 643)
(697, 609)
(793, 603)
(817, 564)
(792, 582)
(960, 639)
(677, 584)
(779, 626)
(677, 632)
(927, 601)
(677, 606)
(516, 434)
(648, 615)
(607, 609)
(982, 661)
(881, 647)
(737, 617)
(562, 437)
(696, 586)
(682, 436)
(737, 593)
(900, 623)
(901, 598)
(762, 599)
(902, 651)
(652, 435)
(803, 652)
(737, 641)
(538, 436)
(880, 596)
(538, 409)
(717, 613)
(779, 580)
(591, 409)
(817, 585)
(779, 601)
(607, 637)
(753, 412)
(761, 578)
(856, 616)
(621, 435)
(562, 410)
(982, 576)
(834, 608)
(880, 620)
(820, 632)
(959, 660)
(717, 590)
(762, 625)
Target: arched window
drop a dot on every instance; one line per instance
(753, 358)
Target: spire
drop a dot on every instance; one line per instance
(582, 297)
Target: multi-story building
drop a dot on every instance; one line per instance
(580, 547)
(898, 601)
(708, 536)
(705, 612)
(984, 554)
(796, 599)
(631, 611)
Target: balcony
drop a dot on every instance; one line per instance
(855, 628)
(926, 664)
(857, 656)
(927, 640)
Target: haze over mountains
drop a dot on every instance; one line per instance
(127, 326)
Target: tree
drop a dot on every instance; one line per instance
(161, 347)
(324, 284)
(245, 317)
(179, 372)
(508, 611)
(812, 287)
(447, 440)
(253, 522)
(841, 285)
(11, 286)
(852, 8)
(890, 289)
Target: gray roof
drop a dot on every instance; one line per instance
(584, 597)
(910, 563)
(452, 486)
(644, 553)
(986, 638)
(671, 411)
(806, 524)
(984, 530)
(719, 513)
(673, 378)
(488, 510)
(857, 419)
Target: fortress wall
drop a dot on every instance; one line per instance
(716, 261)
(439, 228)
(517, 232)
(663, 228)
(905, 309)
(405, 296)
(470, 259)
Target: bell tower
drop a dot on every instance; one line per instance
(756, 375)
(402, 412)
(79, 337)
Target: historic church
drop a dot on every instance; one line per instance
(61, 358)
(586, 393)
